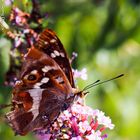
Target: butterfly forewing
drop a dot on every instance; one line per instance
(50, 44)
(40, 95)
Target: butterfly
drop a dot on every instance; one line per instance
(45, 86)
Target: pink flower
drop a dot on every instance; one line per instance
(94, 136)
(44, 137)
(103, 120)
(84, 126)
(76, 138)
(8, 2)
(19, 18)
(79, 122)
(80, 74)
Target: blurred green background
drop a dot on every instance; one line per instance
(106, 36)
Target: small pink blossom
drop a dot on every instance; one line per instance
(94, 136)
(18, 41)
(84, 126)
(76, 138)
(80, 74)
(19, 18)
(43, 137)
(8, 2)
(106, 121)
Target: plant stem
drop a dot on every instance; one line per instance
(4, 26)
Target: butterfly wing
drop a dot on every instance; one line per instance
(40, 95)
(50, 44)
(45, 109)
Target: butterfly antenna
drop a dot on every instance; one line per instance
(88, 86)
(98, 82)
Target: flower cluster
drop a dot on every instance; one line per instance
(78, 122)
(23, 36)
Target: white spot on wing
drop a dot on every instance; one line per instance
(56, 53)
(53, 55)
(46, 43)
(37, 96)
(37, 85)
(59, 79)
(17, 82)
(53, 40)
(45, 80)
(62, 54)
(34, 72)
(46, 68)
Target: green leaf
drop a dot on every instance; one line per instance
(4, 57)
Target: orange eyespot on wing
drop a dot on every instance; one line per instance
(32, 77)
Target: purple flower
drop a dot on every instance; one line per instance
(19, 18)
(24, 36)
(44, 137)
(103, 120)
(8, 2)
(78, 122)
(80, 74)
